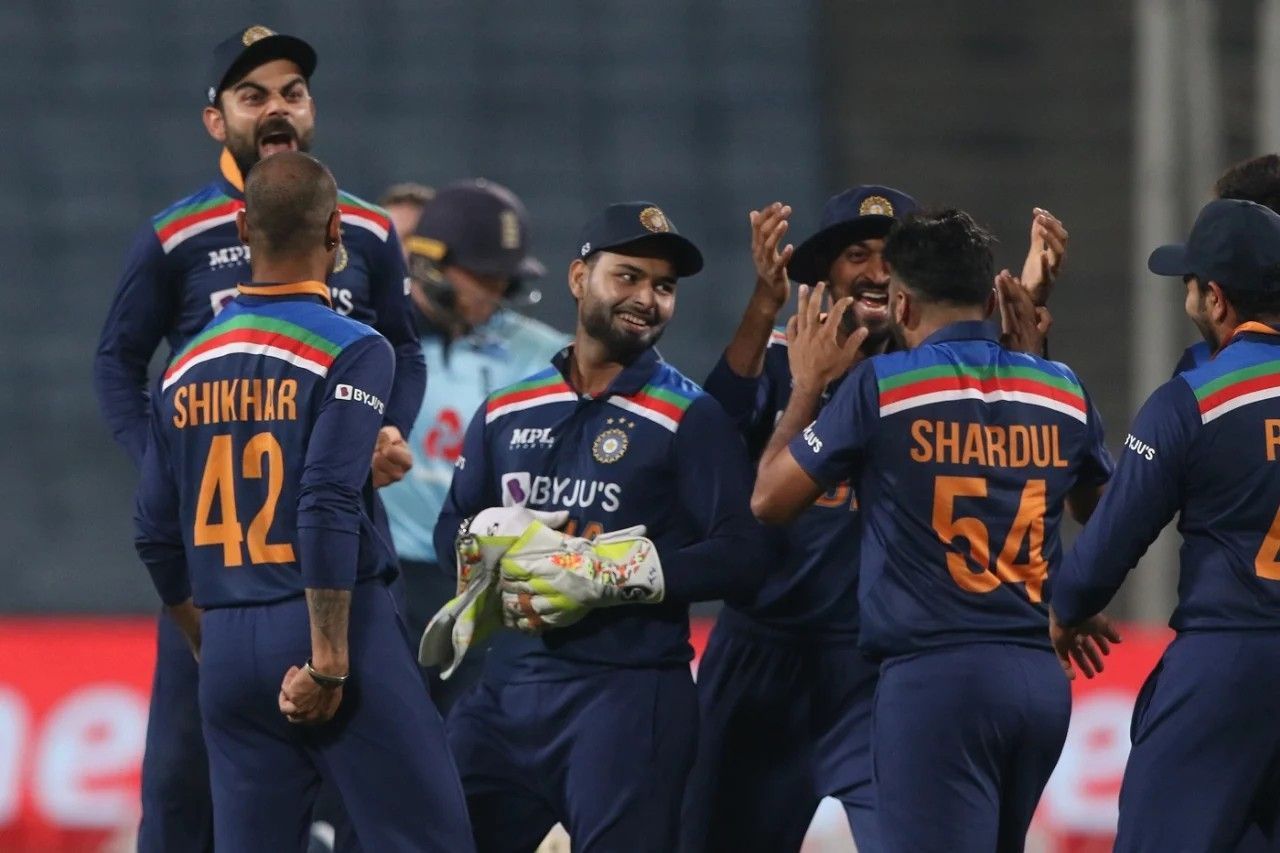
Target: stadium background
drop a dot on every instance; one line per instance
(1116, 116)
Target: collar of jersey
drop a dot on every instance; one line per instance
(1251, 327)
(633, 377)
(232, 180)
(276, 290)
(965, 330)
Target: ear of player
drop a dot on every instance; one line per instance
(515, 569)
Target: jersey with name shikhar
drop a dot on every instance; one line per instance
(1206, 445)
(653, 449)
(962, 453)
(256, 484)
(183, 268)
(463, 374)
(813, 586)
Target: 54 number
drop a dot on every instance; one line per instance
(1028, 526)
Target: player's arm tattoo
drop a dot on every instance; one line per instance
(329, 610)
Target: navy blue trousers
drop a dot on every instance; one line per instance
(1204, 772)
(964, 740)
(385, 751)
(784, 723)
(606, 754)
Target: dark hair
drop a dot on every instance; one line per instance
(942, 256)
(407, 193)
(1249, 304)
(288, 198)
(1256, 180)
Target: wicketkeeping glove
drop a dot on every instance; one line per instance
(476, 611)
(549, 580)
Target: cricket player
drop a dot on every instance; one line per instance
(404, 203)
(785, 694)
(468, 258)
(254, 518)
(181, 270)
(962, 454)
(1203, 768)
(595, 724)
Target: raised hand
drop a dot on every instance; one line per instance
(768, 226)
(1023, 326)
(816, 351)
(1045, 255)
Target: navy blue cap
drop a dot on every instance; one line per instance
(478, 225)
(641, 229)
(244, 50)
(1235, 243)
(860, 213)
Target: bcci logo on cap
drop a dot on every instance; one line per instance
(654, 220)
(256, 34)
(875, 205)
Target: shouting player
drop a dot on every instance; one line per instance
(1203, 768)
(595, 724)
(785, 693)
(962, 454)
(181, 270)
(256, 507)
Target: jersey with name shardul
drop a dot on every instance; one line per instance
(653, 449)
(1206, 446)
(813, 587)
(256, 483)
(963, 454)
(183, 268)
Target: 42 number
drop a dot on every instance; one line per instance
(262, 457)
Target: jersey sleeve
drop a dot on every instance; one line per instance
(729, 558)
(157, 521)
(470, 491)
(831, 449)
(1143, 496)
(337, 464)
(388, 286)
(1097, 465)
(747, 400)
(140, 315)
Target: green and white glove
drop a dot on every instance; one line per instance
(549, 580)
(476, 611)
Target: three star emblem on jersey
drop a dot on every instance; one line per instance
(611, 444)
(654, 220)
(256, 34)
(875, 205)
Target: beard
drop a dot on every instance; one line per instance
(600, 323)
(245, 148)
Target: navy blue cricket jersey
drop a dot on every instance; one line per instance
(814, 585)
(1202, 445)
(183, 268)
(255, 484)
(653, 449)
(962, 453)
(1193, 356)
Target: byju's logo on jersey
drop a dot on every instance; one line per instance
(515, 488)
(519, 489)
(357, 395)
(532, 439)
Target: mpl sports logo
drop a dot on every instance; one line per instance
(357, 395)
(532, 439)
(231, 256)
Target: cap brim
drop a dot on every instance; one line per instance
(811, 261)
(1170, 260)
(265, 50)
(680, 251)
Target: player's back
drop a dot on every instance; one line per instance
(963, 490)
(1230, 510)
(237, 413)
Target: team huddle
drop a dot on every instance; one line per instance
(874, 489)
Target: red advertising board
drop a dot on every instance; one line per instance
(73, 714)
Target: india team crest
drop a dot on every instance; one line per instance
(611, 444)
(654, 220)
(875, 205)
(256, 34)
(340, 259)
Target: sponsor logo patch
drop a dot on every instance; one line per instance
(358, 395)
